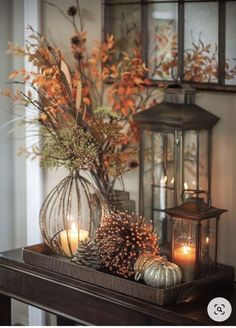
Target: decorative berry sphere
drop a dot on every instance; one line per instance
(121, 239)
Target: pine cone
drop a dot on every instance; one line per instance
(87, 254)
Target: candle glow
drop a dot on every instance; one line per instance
(186, 249)
(70, 239)
(184, 257)
(185, 185)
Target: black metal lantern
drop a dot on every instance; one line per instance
(194, 226)
(175, 154)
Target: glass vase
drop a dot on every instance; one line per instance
(71, 213)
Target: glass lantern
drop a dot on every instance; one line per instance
(175, 154)
(194, 226)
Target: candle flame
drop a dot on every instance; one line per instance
(207, 240)
(185, 185)
(172, 180)
(194, 183)
(186, 249)
(163, 180)
(73, 227)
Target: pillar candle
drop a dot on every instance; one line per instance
(185, 257)
(71, 238)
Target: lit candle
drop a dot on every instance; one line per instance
(163, 192)
(207, 252)
(163, 181)
(185, 257)
(185, 185)
(187, 194)
(71, 238)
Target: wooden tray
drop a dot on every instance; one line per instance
(41, 256)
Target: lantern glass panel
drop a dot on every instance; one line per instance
(162, 159)
(184, 247)
(124, 22)
(201, 42)
(190, 160)
(162, 226)
(158, 153)
(195, 159)
(163, 198)
(158, 172)
(147, 174)
(159, 222)
(158, 182)
(208, 246)
(230, 43)
(203, 160)
(163, 42)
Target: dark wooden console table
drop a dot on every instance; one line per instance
(89, 304)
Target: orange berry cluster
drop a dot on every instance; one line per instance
(121, 239)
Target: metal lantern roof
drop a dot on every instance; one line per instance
(195, 209)
(168, 115)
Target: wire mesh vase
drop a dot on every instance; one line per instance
(71, 213)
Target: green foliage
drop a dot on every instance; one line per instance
(106, 112)
(72, 148)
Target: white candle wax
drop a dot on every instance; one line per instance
(71, 238)
(162, 206)
(185, 257)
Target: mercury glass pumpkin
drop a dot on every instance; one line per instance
(70, 214)
(142, 262)
(163, 274)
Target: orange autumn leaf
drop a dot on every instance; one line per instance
(124, 111)
(43, 117)
(16, 73)
(85, 90)
(117, 106)
(128, 90)
(124, 94)
(110, 42)
(121, 91)
(137, 80)
(147, 82)
(87, 101)
(129, 104)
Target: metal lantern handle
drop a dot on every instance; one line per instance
(197, 192)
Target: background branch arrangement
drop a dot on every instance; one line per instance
(85, 111)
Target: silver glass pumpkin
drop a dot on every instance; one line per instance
(143, 261)
(163, 274)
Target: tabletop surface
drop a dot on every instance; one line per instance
(195, 312)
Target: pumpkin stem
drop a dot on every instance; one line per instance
(164, 259)
(137, 276)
